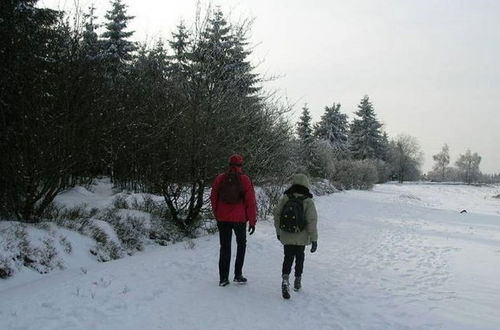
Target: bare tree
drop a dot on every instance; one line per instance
(405, 157)
(442, 160)
(468, 165)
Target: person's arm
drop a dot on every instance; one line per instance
(213, 194)
(250, 203)
(277, 214)
(312, 220)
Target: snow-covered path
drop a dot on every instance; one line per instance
(382, 263)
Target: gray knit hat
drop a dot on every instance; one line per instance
(301, 179)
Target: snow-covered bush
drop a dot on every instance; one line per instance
(7, 267)
(66, 244)
(384, 170)
(107, 244)
(120, 202)
(323, 187)
(46, 257)
(69, 217)
(147, 204)
(131, 232)
(36, 247)
(8, 251)
(267, 197)
(163, 232)
(355, 174)
(325, 156)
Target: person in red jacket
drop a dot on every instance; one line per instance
(233, 205)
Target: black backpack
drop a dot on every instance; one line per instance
(293, 218)
(230, 188)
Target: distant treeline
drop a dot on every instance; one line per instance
(466, 168)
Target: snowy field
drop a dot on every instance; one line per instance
(397, 257)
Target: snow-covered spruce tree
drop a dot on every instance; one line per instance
(117, 48)
(304, 126)
(334, 128)
(94, 91)
(468, 166)
(365, 135)
(117, 54)
(90, 45)
(307, 144)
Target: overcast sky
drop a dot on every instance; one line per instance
(430, 67)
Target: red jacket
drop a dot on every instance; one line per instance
(244, 211)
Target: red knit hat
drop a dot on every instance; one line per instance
(235, 160)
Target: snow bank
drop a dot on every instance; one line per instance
(90, 224)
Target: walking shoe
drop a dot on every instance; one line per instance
(224, 282)
(285, 287)
(296, 284)
(240, 279)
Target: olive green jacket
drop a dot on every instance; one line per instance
(305, 237)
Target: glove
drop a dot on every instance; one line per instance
(278, 237)
(251, 229)
(314, 246)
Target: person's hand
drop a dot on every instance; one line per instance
(314, 246)
(278, 237)
(251, 229)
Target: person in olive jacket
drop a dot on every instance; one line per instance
(294, 243)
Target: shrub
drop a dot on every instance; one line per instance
(7, 267)
(130, 232)
(68, 248)
(267, 197)
(323, 187)
(355, 174)
(120, 202)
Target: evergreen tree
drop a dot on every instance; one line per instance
(365, 135)
(180, 41)
(384, 147)
(117, 55)
(304, 126)
(40, 98)
(117, 49)
(181, 44)
(147, 120)
(91, 46)
(333, 127)
(308, 148)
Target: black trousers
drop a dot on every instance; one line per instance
(293, 252)
(225, 235)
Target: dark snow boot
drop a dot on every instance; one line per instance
(297, 284)
(240, 279)
(224, 282)
(285, 287)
